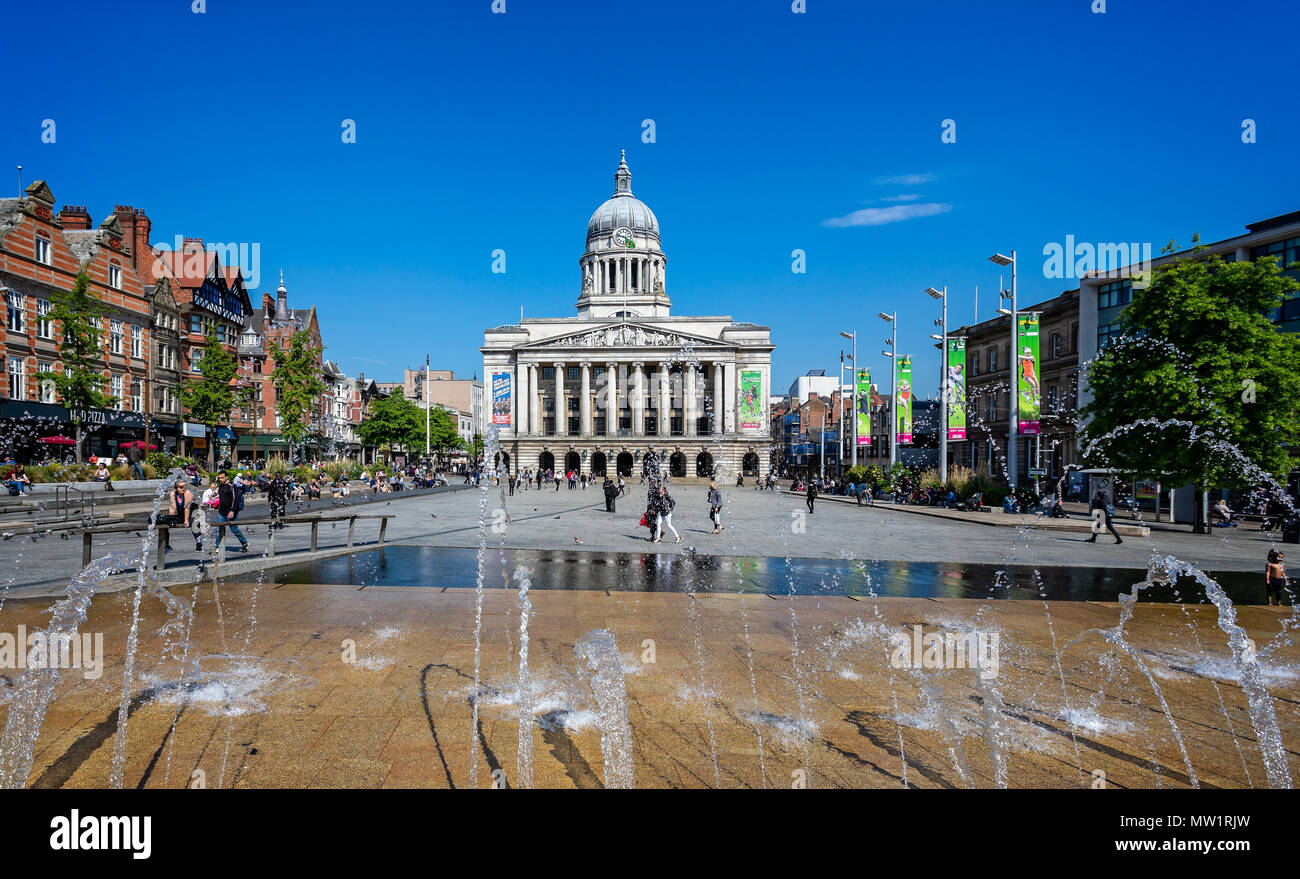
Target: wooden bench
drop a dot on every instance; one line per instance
(163, 532)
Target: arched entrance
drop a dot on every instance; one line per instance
(677, 465)
(750, 464)
(545, 461)
(704, 464)
(598, 464)
(624, 462)
(572, 462)
(503, 461)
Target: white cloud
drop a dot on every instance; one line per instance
(885, 216)
(908, 197)
(905, 180)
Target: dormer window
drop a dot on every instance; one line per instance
(43, 250)
(115, 277)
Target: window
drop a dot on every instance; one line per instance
(1052, 398)
(137, 340)
(572, 374)
(116, 389)
(1115, 293)
(14, 320)
(46, 389)
(1074, 338)
(993, 409)
(1287, 252)
(257, 367)
(1107, 334)
(993, 360)
(17, 378)
(115, 277)
(137, 395)
(43, 250)
(196, 324)
(597, 371)
(44, 325)
(196, 358)
(115, 336)
(975, 363)
(548, 373)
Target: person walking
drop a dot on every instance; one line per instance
(135, 456)
(715, 506)
(230, 502)
(622, 486)
(812, 494)
(1275, 579)
(1099, 502)
(611, 494)
(664, 515)
(512, 480)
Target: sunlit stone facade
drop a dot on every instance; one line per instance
(597, 391)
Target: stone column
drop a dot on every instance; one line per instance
(665, 398)
(534, 406)
(611, 399)
(690, 379)
(729, 391)
(517, 401)
(719, 410)
(638, 399)
(561, 412)
(584, 405)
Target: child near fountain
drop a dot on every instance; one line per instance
(1275, 579)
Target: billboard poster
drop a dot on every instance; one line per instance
(956, 390)
(1030, 390)
(904, 386)
(751, 399)
(864, 406)
(501, 399)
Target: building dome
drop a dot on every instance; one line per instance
(622, 210)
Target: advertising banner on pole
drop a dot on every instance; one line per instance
(1030, 390)
(864, 406)
(904, 402)
(751, 399)
(501, 398)
(956, 390)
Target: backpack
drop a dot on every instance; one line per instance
(239, 498)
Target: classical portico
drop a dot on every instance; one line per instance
(596, 392)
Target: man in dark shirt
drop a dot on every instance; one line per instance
(227, 509)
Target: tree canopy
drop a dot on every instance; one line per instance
(393, 420)
(80, 385)
(298, 385)
(1199, 368)
(210, 398)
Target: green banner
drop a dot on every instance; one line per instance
(904, 402)
(751, 399)
(864, 406)
(1030, 389)
(956, 390)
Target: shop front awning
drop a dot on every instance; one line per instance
(226, 435)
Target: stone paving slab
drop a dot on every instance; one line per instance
(275, 705)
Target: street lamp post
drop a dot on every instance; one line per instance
(892, 342)
(944, 389)
(1013, 393)
(853, 377)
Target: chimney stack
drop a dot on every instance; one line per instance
(74, 217)
(136, 226)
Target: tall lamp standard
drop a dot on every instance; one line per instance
(853, 377)
(892, 342)
(944, 390)
(1013, 392)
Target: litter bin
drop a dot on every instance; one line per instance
(1291, 529)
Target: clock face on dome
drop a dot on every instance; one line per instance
(623, 237)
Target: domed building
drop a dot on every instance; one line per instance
(599, 391)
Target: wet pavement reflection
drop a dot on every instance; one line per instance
(452, 568)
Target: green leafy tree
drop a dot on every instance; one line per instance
(298, 384)
(210, 398)
(81, 383)
(1199, 366)
(443, 437)
(393, 420)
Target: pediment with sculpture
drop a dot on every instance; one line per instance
(626, 336)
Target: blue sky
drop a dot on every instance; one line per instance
(478, 131)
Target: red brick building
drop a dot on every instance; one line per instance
(41, 252)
